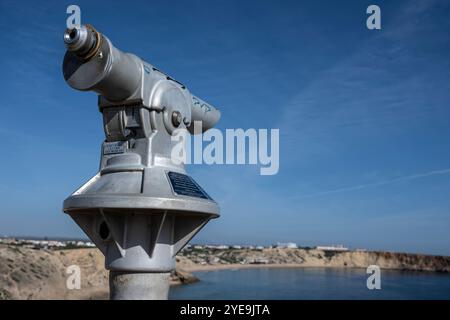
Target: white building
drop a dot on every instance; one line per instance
(332, 248)
(288, 245)
(218, 246)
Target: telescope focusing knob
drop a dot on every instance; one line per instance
(176, 118)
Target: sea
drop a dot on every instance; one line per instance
(312, 284)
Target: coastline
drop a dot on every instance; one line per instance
(237, 266)
(27, 273)
(234, 259)
(207, 268)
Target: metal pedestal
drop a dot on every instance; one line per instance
(138, 286)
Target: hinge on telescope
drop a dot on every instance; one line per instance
(121, 123)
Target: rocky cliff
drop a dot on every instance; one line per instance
(41, 274)
(198, 260)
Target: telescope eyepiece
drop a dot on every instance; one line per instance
(71, 36)
(82, 40)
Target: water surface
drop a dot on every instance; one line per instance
(312, 283)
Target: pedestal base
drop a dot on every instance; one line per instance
(138, 286)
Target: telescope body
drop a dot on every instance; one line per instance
(140, 209)
(120, 78)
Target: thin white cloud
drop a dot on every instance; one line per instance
(375, 184)
(381, 88)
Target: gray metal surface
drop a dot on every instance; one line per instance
(138, 286)
(135, 214)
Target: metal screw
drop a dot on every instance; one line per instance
(176, 118)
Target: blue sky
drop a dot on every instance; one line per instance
(364, 116)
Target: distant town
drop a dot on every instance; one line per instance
(198, 257)
(45, 243)
(279, 245)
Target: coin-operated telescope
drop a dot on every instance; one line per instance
(141, 208)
